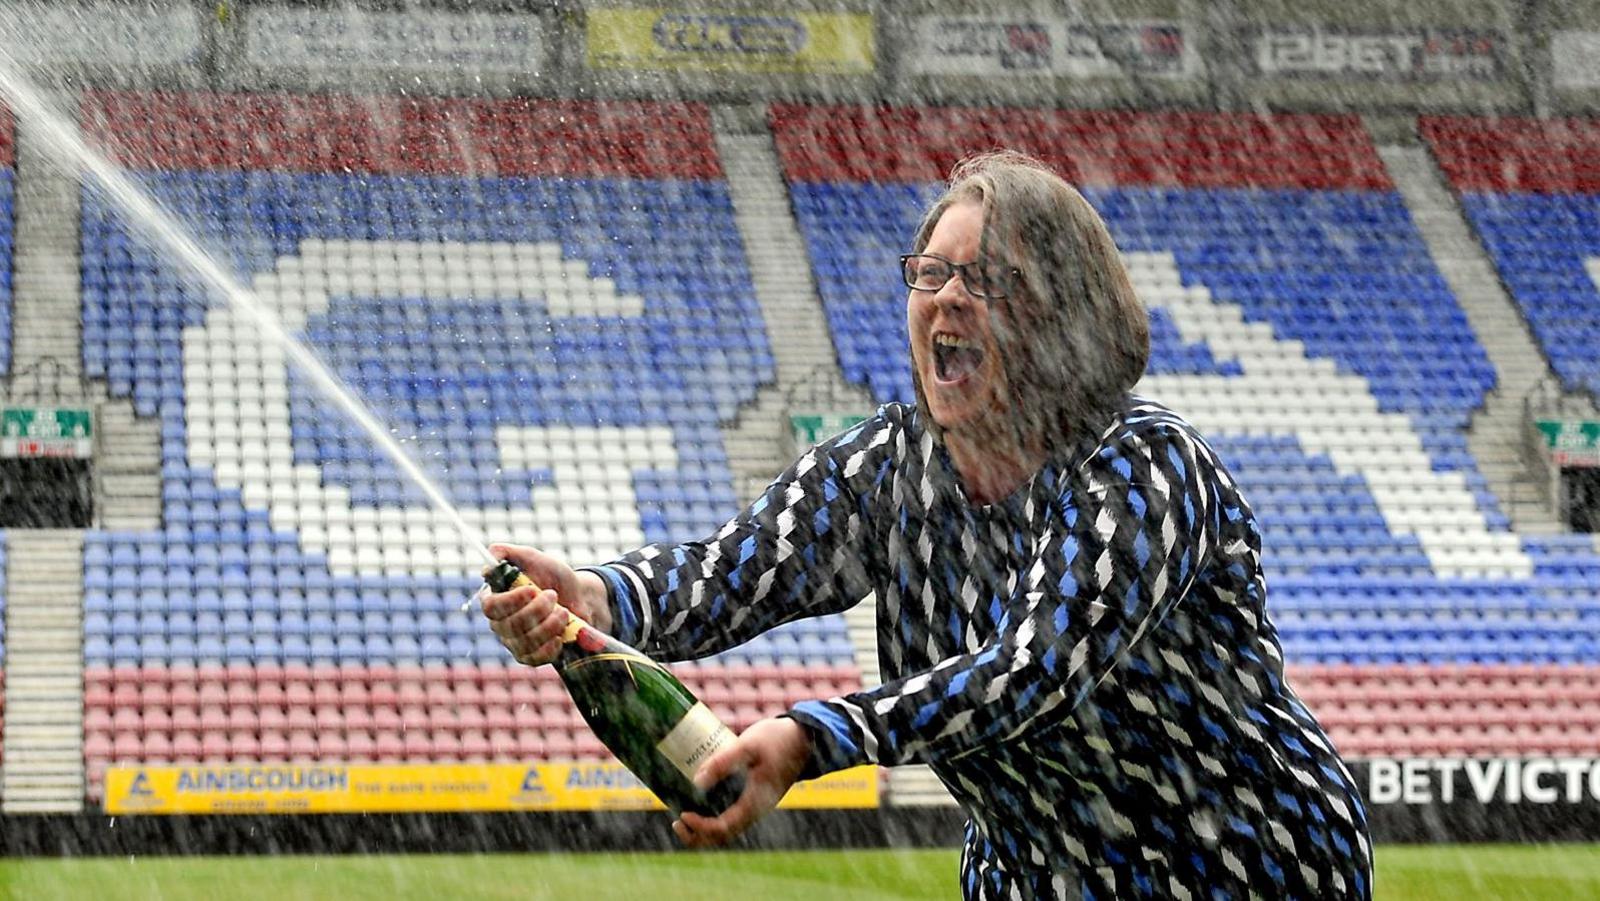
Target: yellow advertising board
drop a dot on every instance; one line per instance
(714, 41)
(423, 788)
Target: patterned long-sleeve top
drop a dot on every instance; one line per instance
(1087, 665)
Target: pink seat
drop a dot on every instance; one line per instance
(326, 717)
(274, 746)
(186, 747)
(387, 745)
(469, 717)
(446, 746)
(97, 746)
(244, 746)
(271, 718)
(358, 718)
(157, 747)
(184, 694)
(531, 745)
(414, 719)
(125, 748)
(359, 746)
(329, 746)
(242, 692)
(503, 745)
(475, 746)
(386, 718)
(418, 745)
(156, 719)
(271, 694)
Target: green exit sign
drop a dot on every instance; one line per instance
(46, 432)
(809, 428)
(1571, 442)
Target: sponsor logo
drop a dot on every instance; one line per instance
(970, 45)
(601, 775)
(1534, 780)
(532, 790)
(749, 35)
(262, 779)
(1400, 56)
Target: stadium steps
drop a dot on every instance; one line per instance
(128, 468)
(43, 757)
(1497, 434)
(48, 313)
(802, 349)
(45, 310)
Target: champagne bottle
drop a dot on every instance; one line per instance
(650, 721)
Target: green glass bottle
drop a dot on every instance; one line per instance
(638, 709)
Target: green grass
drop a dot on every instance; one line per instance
(1509, 872)
(1453, 872)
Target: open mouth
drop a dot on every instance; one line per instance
(955, 358)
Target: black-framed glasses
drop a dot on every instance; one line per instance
(988, 279)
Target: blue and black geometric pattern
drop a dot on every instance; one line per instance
(1087, 665)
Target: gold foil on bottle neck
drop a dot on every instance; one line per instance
(570, 633)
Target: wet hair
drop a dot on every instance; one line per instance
(1074, 336)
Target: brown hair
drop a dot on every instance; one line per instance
(1077, 338)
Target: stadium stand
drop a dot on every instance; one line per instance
(1531, 188)
(8, 180)
(492, 279)
(1298, 319)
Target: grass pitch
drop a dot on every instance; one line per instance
(1450, 872)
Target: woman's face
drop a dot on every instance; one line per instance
(953, 346)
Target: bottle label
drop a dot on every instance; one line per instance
(697, 736)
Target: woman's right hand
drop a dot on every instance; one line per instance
(527, 620)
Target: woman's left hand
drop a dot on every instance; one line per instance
(772, 752)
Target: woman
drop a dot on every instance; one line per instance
(1071, 614)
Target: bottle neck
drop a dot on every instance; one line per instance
(580, 640)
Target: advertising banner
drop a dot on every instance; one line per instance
(102, 34)
(348, 38)
(28, 432)
(995, 46)
(1575, 59)
(713, 41)
(1480, 799)
(1429, 54)
(422, 788)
